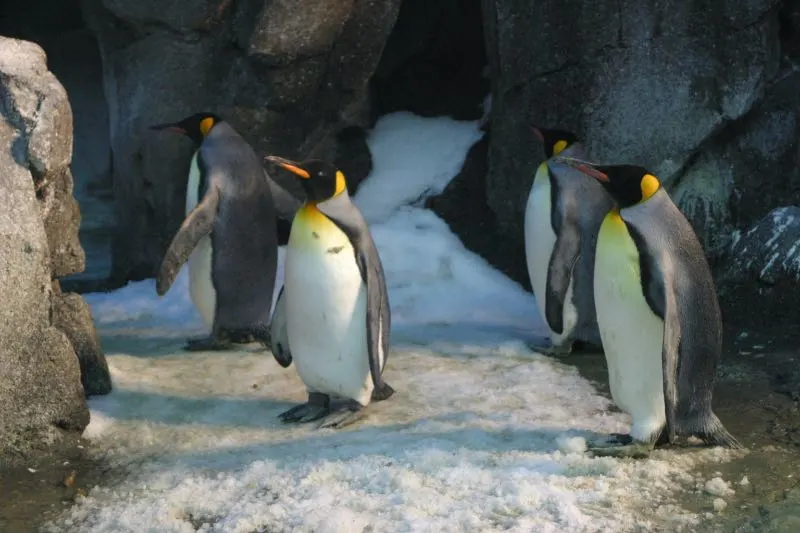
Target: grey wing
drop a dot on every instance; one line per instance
(198, 223)
(278, 333)
(660, 295)
(286, 205)
(378, 315)
(563, 257)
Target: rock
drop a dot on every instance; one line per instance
(777, 517)
(655, 83)
(71, 314)
(762, 270)
(40, 385)
(287, 75)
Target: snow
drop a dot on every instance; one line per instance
(482, 434)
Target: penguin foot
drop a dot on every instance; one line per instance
(351, 411)
(318, 406)
(621, 446)
(208, 344)
(638, 450)
(561, 350)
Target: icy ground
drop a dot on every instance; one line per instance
(482, 435)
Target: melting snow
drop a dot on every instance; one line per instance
(482, 434)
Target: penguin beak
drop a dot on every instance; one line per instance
(291, 166)
(538, 133)
(593, 172)
(168, 127)
(584, 167)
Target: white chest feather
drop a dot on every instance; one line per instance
(201, 289)
(326, 309)
(631, 332)
(540, 239)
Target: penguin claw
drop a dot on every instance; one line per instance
(637, 450)
(344, 417)
(306, 412)
(207, 344)
(620, 445)
(552, 350)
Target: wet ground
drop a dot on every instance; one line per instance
(757, 398)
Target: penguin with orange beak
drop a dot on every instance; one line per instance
(332, 317)
(658, 313)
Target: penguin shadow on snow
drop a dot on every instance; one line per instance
(221, 411)
(157, 345)
(394, 443)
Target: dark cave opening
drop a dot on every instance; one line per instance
(434, 60)
(74, 58)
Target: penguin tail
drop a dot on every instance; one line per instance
(715, 434)
(382, 392)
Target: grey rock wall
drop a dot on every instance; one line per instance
(40, 375)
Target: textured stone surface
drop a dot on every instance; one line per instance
(760, 274)
(40, 386)
(40, 380)
(71, 314)
(287, 75)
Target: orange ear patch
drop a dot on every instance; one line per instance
(205, 125)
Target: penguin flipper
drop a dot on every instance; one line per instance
(197, 224)
(559, 272)
(378, 315)
(278, 333)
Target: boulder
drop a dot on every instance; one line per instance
(40, 384)
(760, 274)
(71, 314)
(289, 76)
(676, 87)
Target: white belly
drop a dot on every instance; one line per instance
(326, 309)
(201, 289)
(632, 334)
(540, 239)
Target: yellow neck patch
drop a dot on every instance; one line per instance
(559, 147)
(649, 186)
(205, 125)
(341, 183)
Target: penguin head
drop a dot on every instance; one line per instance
(554, 141)
(196, 127)
(321, 180)
(627, 184)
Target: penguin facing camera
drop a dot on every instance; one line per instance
(229, 236)
(332, 317)
(658, 314)
(562, 217)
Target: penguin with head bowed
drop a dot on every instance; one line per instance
(562, 217)
(229, 236)
(658, 313)
(332, 317)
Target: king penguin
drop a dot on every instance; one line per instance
(658, 313)
(562, 217)
(229, 236)
(332, 316)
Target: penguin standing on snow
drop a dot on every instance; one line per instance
(332, 316)
(562, 218)
(658, 314)
(229, 236)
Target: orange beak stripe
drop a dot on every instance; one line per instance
(289, 165)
